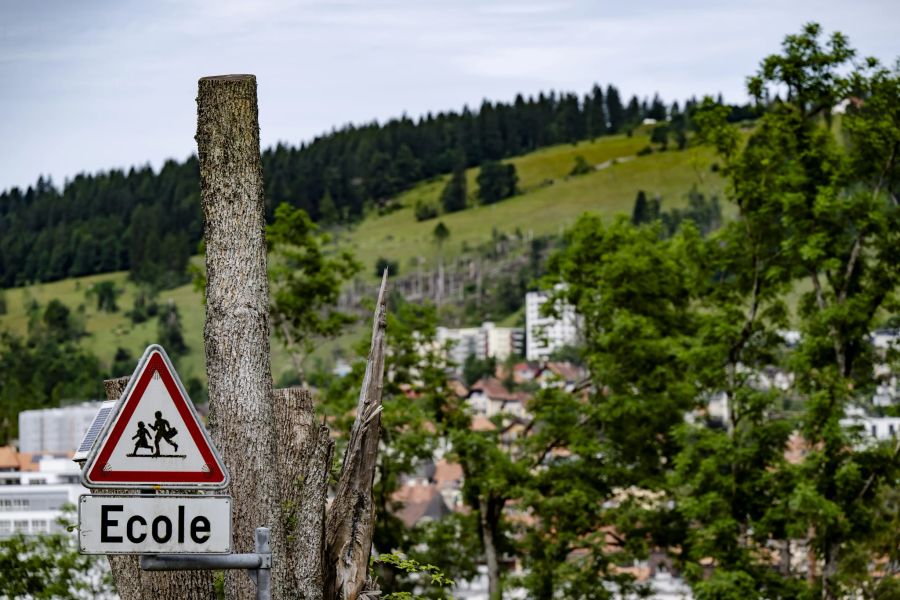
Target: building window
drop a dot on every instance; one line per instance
(5, 527)
(40, 526)
(20, 526)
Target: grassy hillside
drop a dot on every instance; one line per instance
(550, 201)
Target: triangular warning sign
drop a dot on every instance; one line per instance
(154, 438)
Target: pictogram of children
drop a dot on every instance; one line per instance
(164, 431)
(143, 438)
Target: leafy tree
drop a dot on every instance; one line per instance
(705, 214)
(496, 182)
(660, 135)
(50, 566)
(441, 233)
(123, 363)
(105, 293)
(425, 210)
(453, 197)
(47, 367)
(58, 323)
(385, 264)
(145, 304)
(581, 167)
(821, 208)
(169, 330)
(644, 211)
(476, 368)
(306, 282)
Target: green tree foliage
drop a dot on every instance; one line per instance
(47, 367)
(644, 211)
(123, 363)
(169, 331)
(705, 213)
(145, 304)
(660, 135)
(106, 294)
(581, 167)
(615, 112)
(425, 210)
(672, 321)
(49, 566)
(496, 182)
(475, 368)
(306, 281)
(440, 233)
(454, 194)
(386, 264)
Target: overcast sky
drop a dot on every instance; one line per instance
(86, 86)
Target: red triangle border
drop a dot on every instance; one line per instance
(96, 475)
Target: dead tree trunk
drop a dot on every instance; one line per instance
(351, 519)
(237, 305)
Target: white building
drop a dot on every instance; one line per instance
(481, 342)
(873, 428)
(55, 429)
(544, 335)
(34, 490)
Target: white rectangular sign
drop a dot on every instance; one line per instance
(158, 524)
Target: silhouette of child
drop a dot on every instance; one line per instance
(164, 431)
(143, 438)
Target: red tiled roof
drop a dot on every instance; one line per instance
(418, 502)
(482, 423)
(494, 389)
(9, 458)
(446, 472)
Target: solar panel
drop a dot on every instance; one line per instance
(93, 432)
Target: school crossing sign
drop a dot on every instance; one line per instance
(154, 439)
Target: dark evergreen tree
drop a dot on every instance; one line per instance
(169, 330)
(453, 198)
(496, 181)
(657, 109)
(615, 113)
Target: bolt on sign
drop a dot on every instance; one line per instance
(153, 437)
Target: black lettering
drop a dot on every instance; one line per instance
(106, 522)
(129, 530)
(162, 520)
(180, 524)
(199, 525)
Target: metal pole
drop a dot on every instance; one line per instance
(258, 564)
(264, 573)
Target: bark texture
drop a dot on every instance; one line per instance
(134, 584)
(303, 464)
(351, 518)
(236, 335)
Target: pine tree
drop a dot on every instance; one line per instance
(453, 198)
(496, 181)
(614, 111)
